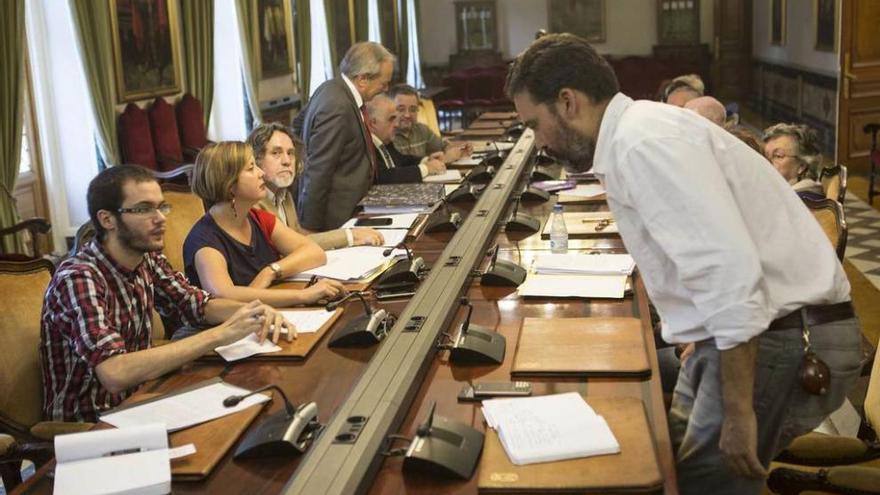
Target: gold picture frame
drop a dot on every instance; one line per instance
(585, 18)
(777, 22)
(146, 48)
(825, 15)
(274, 38)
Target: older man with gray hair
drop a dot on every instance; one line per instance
(340, 159)
(708, 107)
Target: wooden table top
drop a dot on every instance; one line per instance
(327, 375)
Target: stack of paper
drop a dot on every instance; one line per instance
(126, 461)
(393, 237)
(179, 411)
(549, 428)
(398, 221)
(585, 286)
(354, 263)
(451, 176)
(584, 264)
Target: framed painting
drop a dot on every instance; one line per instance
(585, 18)
(777, 22)
(275, 38)
(146, 41)
(826, 25)
(476, 25)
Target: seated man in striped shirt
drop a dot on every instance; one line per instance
(96, 322)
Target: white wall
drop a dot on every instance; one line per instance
(800, 38)
(630, 27)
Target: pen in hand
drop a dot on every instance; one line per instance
(312, 281)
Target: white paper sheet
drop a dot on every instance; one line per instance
(399, 221)
(132, 460)
(584, 264)
(246, 347)
(549, 428)
(585, 286)
(308, 320)
(450, 176)
(393, 237)
(352, 263)
(184, 410)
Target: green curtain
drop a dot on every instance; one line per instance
(330, 13)
(91, 21)
(198, 51)
(303, 32)
(12, 48)
(402, 26)
(361, 21)
(248, 26)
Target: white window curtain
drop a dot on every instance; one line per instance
(227, 121)
(63, 115)
(374, 25)
(322, 65)
(414, 62)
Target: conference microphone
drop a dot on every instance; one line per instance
(401, 244)
(234, 400)
(467, 318)
(332, 305)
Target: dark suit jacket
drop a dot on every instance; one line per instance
(405, 170)
(337, 172)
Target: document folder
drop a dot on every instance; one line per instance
(581, 347)
(634, 470)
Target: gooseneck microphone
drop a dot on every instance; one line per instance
(234, 400)
(331, 306)
(401, 244)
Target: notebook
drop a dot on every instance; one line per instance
(401, 198)
(634, 469)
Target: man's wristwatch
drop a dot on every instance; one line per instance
(276, 269)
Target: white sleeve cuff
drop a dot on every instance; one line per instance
(349, 237)
(424, 169)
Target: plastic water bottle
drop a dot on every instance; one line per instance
(558, 232)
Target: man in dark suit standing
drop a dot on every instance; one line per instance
(341, 161)
(394, 166)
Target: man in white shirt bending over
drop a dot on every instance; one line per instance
(719, 240)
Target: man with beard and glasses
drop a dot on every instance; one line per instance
(96, 322)
(712, 229)
(278, 154)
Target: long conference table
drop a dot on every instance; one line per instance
(329, 375)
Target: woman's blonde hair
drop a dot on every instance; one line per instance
(217, 169)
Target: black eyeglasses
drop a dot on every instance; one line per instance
(164, 209)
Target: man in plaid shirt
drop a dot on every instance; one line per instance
(96, 322)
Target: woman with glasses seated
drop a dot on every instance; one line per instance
(237, 251)
(794, 152)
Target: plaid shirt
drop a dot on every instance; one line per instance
(94, 309)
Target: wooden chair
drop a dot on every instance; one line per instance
(136, 141)
(848, 465)
(23, 285)
(833, 181)
(187, 209)
(166, 137)
(34, 227)
(831, 217)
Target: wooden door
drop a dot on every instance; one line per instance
(859, 88)
(732, 50)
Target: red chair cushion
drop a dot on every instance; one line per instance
(135, 138)
(191, 123)
(165, 136)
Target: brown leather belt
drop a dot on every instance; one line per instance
(816, 315)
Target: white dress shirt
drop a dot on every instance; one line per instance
(723, 244)
(358, 99)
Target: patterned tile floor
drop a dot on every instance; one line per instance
(863, 241)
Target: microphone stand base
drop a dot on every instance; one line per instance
(503, 273)
(479, 345)
(450, 450)
(282, 435)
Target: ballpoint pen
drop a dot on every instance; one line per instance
(312, 281)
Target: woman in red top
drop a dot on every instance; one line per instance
(237, 251)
